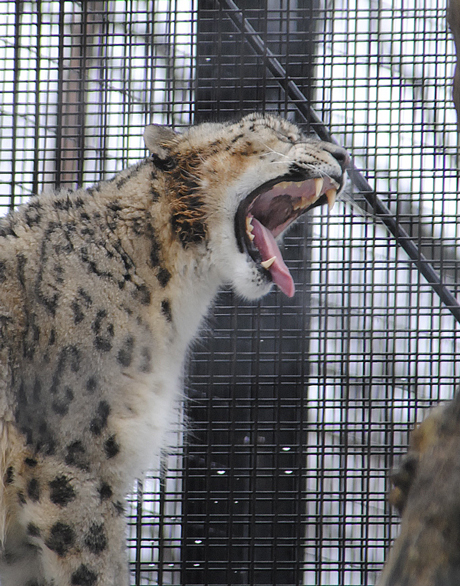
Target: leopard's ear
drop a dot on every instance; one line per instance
(159, 140)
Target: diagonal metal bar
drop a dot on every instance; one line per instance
(380, 210)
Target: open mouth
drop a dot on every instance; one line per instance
(268, 211)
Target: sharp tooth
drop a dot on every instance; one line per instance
(319, 186)
(284, 184)
(301, 204)
(331, 195)
(249, 226)
(250, 236)
(268, 263)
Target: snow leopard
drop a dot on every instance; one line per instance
(102, 291)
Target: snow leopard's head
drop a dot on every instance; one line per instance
(236, 188)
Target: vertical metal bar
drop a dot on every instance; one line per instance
(37, 126)
(16, 74)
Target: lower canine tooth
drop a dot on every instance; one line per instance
(250, 236)
(331, 195)
(319, 185)
(268, 263)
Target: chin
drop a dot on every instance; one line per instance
(250, 283)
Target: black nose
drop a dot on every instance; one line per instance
(341, 156)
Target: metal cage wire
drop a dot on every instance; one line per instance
(297, 409)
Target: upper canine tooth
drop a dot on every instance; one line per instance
(319, 185)
(268, 263)
(331, 195)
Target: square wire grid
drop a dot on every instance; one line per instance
(296, 409)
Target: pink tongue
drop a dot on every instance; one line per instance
(266, 244)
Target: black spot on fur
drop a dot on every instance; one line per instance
(21, 497)
(91, 264)
(36, 392)
(102, 344)
(163, 277)
(142, 294)
(63, 204)
(76, 455)
(95, 539)
(31, 337)
(121, 181)
(46, 443)
(154, 247)
(146, 360)
(99, 422)
(33, 489)
(125, 354)
(78, 315)
(8, 225)
(58, 271)
(111, 447)
(166, 309)
(45, 292)
(2, 272)
(100, 317)
(69, 356)
(85, 297)
(91, 384)
(61, 538)
(33, 530)
(32, 215)
(114, 209)
(104, 331)
(119, 507)
(105, 491)
(61, 491)
(61, 407)
(21, 260)
(52, 339)
(166, 164)
(237, 138)
(83, 577)
(32, 462)
(9, 475)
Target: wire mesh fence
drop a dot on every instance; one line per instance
(296, 409)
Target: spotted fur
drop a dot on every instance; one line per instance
(426, 493)
(101, 292)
